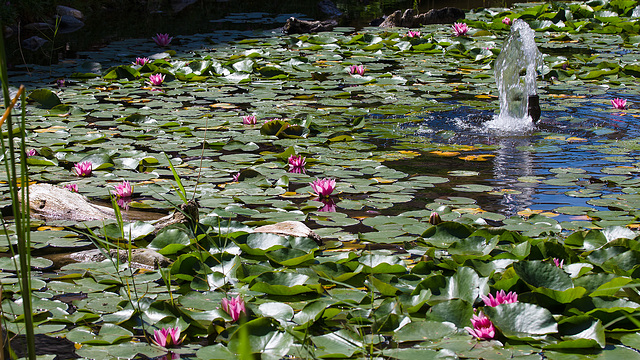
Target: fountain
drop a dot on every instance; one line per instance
(515, 71)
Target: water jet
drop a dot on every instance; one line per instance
(515, 71)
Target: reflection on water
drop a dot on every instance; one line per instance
(509, 164)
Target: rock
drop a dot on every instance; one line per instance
(140, 258)
(179, 5)
(8, 31)
(41, 26)
(69, 11)
(33, 43)
(297, 26)
(69, 24)
(329, 8)
(447, 15)
(289, 228)
(49, 202)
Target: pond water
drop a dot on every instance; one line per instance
(405, 137)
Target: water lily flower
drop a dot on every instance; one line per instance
(83, 168)
(71, 187)
(297, 164)
(460, 29)
(236, 177)
(249, 120)
(162, 39)
(123, 190)
(500, 298)
(356, 70)
(506, 21)
(413, 34)
(619, 104)
(323, 187)
(234, 307)
(559, 263)
(483, 328)
(60, 83)
(156, 79)
(167, 337)
(32, 152)
(141, 61)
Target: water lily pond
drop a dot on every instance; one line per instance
(548, 212)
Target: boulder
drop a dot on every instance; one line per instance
(447, 15)
(69, 11)
(289, 228)
(297, 26)
(329, 8)
(140, 258)
(33, 43)
(69, 24)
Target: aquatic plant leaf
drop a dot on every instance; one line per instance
(421, 330)
(264, 337)
(543, 274)
(45, 97)
(170, 240)
(522, 320)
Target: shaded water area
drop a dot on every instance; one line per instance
(112, 21)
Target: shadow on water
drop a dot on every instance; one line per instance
(110, 21)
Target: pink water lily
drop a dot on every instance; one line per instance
(323, 187)
(83, 168)
(141, 61)
(234, 307)
(123, 190)
(506, 21)
(356, 70)
(61, 83)
(619, 104)
(460, 29)
(71, 187)
(249, 120)
(32, 152)
(483, 328)
(167, 337)
(559, 263)
(413, 34)
(156, 79)
(297, 164)
(236, 177)
(162, 39)
(500, 298)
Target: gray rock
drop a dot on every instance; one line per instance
(33, 43)
(179, 5)
(140, 258)
(447, 15)
(329, 8)
(69, 24)
(289, 228)
(297, 26)
(8, 31)
(65, 10)
(41, 26)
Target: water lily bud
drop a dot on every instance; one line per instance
(435, 219)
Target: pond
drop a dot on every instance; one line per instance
(548, 211)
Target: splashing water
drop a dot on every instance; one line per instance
(515, 72)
